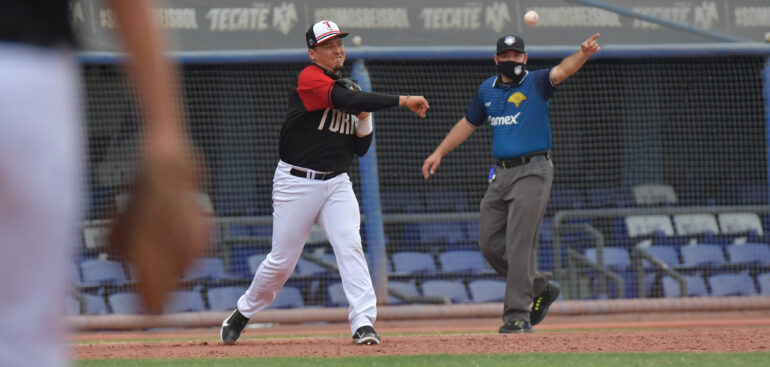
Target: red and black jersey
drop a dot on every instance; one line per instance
(317, 136)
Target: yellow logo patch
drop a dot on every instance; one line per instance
(517, 98)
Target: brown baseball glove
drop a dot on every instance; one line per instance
(162, 228)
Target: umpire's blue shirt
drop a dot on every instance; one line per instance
(519, 115)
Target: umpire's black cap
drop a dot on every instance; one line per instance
(510, 42)
(322, 31)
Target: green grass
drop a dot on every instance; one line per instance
(521, 359)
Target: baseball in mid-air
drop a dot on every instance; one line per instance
(531, 17)
(357, 40)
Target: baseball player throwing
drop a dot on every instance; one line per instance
(515, 104)
(327, 122)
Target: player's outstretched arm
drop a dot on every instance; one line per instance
(417, 104)
(461, 131)
(161, 229)
(572, 63)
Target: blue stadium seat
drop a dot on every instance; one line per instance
(336, 295)
(308, 268)
(609, 197)
(407, 288)
(184, 301)
(703, 256)
(288, 297)
(614, 258)
(696, 287)
(454, 290)
(408, 262)
(441, 201)
(732, 285)
(254, 262)
(421, 234)
(666, 254)
(239, 259)
(125, 303)
(94, 305)
(463, 261)
(564, 198)
(205, 268)
(401, 202)
(487, 290)
(749, 254)
(764, 284)
(97, 271)
(224, 298)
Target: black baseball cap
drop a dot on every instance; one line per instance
(322, 31)
(510, 42)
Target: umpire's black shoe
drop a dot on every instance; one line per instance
(366, 335)
(232, 327)
(543, 300)
(516, 327)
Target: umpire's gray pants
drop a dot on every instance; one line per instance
(511, 212)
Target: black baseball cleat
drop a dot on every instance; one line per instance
(232, 327)
(543, 301)
(516, 327)
(366, 335)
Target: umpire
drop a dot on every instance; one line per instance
(515, 104)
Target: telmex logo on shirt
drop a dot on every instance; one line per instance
(504, 120)
(517, 98)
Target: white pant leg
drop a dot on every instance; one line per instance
(296, 202)
(341, 219)
(40, 200)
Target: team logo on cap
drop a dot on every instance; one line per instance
(510, 40)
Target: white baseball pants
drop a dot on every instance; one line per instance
(41, 165)
(297, 204)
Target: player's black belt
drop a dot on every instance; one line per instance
(318, 176)
(523, 159)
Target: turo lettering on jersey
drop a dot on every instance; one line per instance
(339, 122)
(504, 120)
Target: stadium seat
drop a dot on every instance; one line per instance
(749, 254)
(288, 297)
(649, 225)
(609, 197)
(255, 261)
(125, 303)
(408, 262)
(454, 290)
(695, 224)
(564, 198)
(336, 295)
(463, 261)
(97, 271)
(740, 224)
(205, 268)
(654, 194)
(395, 202)
(703, 256)
(696, 287)
(732, 285)
(224, 298)
(407, 288)
(764, 284)
(666, 254)
(487, 290)
(422, 234)
(184, 301)
(614, 258)
(93, 304)
(446, 201)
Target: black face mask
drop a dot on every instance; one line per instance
(512, 69)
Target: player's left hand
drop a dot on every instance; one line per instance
(430, 165)
(590, 46)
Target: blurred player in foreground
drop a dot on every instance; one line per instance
(324, 128)
(42, 170)
(515, 104)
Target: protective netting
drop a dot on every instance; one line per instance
(628, 133)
